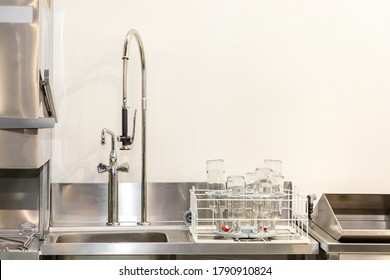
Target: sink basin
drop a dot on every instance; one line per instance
(109, 237)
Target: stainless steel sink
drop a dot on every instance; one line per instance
(109, 237)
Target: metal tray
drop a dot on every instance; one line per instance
(354, 217)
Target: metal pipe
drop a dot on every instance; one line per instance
(134, 34)
(113, 190)
(113, 209)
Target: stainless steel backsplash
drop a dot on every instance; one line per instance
(86, 204)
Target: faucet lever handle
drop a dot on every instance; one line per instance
(102, 168)
(124, 167)
(134, 119)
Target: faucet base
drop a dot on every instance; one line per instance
(112, 224)
(125, 147)
(143, 224)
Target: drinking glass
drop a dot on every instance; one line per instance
(277, 183)
(264, 180)
(250, 191)
(265, 214)
(275, 165)
(216, 186)
(216, 175)
(236, 207)
(251, 182)
(277, 189)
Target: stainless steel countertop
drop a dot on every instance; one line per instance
(180, 242)
(331, 245)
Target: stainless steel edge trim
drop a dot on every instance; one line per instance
(26, 123)
(331, 245)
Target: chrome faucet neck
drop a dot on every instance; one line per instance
(125, 139)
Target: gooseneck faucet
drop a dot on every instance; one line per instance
(112, 169)
(124, 138)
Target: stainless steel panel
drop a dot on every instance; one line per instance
(86, 204)
(325, 218)
(24, 148)
(19, 197)
(19, 88)
(167, 202)
(334, 249)
(364, 256)
(24, 197)
(78, 203)
(188, 248)
(354, 217)
(19, 255)
(24, 123)
(12, 14)
(25, 49)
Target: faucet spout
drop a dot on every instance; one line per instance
(126, 46)
(103, 138)
(124, 138)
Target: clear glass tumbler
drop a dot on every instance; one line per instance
(216, 175)
(251, 182)
(250, 191)
(265, 214)
(264, 177)
(217, 188)
(275, 165)
(277, 189)
(236, 206)
(277, 183)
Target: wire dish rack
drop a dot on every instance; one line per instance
(287, 227)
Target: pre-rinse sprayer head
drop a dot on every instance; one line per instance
(126, 140)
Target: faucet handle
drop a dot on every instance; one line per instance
(134, 119)
(124, 167)
(102, 168)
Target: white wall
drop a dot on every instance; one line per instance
(307, 82)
